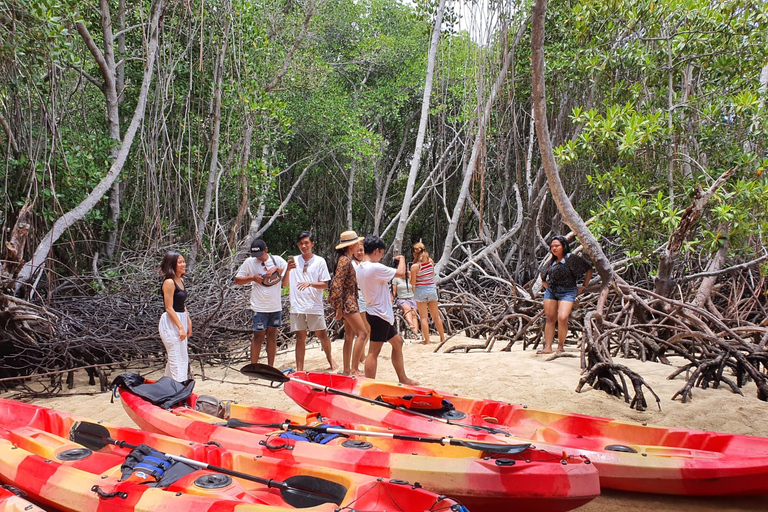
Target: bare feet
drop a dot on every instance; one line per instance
(424, 342)
(334, 366)
(544, 351)
(409, 382)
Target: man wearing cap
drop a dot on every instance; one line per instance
(259, 270)
(373, 279)
(307, 276)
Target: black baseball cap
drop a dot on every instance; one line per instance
(257, 248)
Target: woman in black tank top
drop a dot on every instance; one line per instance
(175, 324)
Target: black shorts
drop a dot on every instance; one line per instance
(381, 330)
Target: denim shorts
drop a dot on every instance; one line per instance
(262, 321)
(561, 293)
(426, 293)
(360, 302)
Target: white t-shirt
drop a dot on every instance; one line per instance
(309, 301)
(373, 279)
(264, 299)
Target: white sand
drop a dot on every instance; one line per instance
(517, 376)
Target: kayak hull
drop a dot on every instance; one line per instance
(12, 500)
(629, 456)
(536, 479)
(38, 457)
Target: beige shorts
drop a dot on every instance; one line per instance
(305, 322)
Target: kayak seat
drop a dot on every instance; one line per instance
(547, 435)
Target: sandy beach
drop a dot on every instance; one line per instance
(518, 377)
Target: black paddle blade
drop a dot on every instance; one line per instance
(491, 447)
(303, 491)
(265, 372)
(90, 435)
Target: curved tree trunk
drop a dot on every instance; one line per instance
(69, 218)
(469, 171)
(416, 160)
(559, 195)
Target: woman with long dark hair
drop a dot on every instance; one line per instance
(342, 295)
(425, 291)
(175, 325)
(560, 290)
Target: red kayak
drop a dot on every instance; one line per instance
(12, 500)
(77, 465)
(629, 456)
(507, 476)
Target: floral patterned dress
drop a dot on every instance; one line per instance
(343, 290)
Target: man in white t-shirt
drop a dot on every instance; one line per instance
(258, 270)
(307, 276)
(373, 280)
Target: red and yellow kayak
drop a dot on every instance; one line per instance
(484, 482)
(629, 456)
(38, 457)
(12, 500)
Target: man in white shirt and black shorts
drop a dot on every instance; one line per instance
(307, 276)
(373, 280)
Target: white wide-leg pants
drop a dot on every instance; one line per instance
(178, 357)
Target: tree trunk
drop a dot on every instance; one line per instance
(564, 206)
(65, 221)
(416, 160)
(202, 220)
(469, 171)
(664, 284)
(108, 69)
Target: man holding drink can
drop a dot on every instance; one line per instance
(307, 276)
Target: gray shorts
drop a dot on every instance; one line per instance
(307, 322)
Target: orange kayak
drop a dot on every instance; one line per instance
(482, 481)
(629, 456)
(12, 500)
(75, 465)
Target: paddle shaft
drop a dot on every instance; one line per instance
(474, 445)
(335, 391)
(196, 463)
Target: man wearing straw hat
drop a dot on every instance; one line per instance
(373, 279)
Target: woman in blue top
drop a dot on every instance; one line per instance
(561, 290)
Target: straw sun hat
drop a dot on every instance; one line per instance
(348, 238)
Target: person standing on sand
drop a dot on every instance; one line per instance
(307, 276)
(373, 279)
(267, 308)
(342, 296)
(560, 290)
(175, 324)
(402, 296)
(425, 291)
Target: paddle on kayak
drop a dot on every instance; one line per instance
(298, 491)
